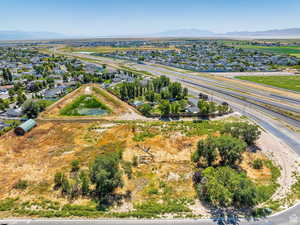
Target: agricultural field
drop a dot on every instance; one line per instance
(286, 82)
(110, 49)
(284, 50)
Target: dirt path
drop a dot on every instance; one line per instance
(284, 157)
(88, 90)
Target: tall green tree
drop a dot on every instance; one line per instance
(206, 150)
(245, 131)
(31, 109)
(105, 174)
(164, 107)
(224, 187)
(230, 150)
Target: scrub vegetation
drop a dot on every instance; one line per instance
(131, 169)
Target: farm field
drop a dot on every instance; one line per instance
(109, 49)
(285, 50)
(286, 82)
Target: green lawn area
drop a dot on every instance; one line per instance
(287, 82)
(285, 50)
(85, 105)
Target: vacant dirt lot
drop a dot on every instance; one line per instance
(163, 153)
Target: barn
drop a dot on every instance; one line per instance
(25, 127)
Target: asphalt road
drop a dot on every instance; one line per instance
(287, 218)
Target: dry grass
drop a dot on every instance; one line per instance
(261, 176)
(51, 146)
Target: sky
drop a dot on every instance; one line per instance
(127, 17)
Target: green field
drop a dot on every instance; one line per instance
(287, 82)
(85, 105)
(284, 50)
(110, 49)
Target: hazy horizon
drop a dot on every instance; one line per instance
(116, 17)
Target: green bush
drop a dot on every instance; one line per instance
(145, 109)
(155, 208)
(245, 131)
(296, 187)
(223, 187)
(141, 136)
(22, 185)
(75, 165)
(152, 191)
(8, 204)
(135, 161)
(58, 179)
(257, 164)
(230, 150)
(106, 176)
(261, 212)
(127, 166)
(265, 192)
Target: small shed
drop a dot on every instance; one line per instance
(25, 127)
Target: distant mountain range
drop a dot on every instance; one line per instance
(185, 33)
(29, 35)
(40, 35)
(291, 32)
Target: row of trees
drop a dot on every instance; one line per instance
(154, 90)
(7, 75)
(207, 107)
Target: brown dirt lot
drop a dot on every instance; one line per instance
(164, 169)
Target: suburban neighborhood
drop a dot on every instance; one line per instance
(209, 56)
